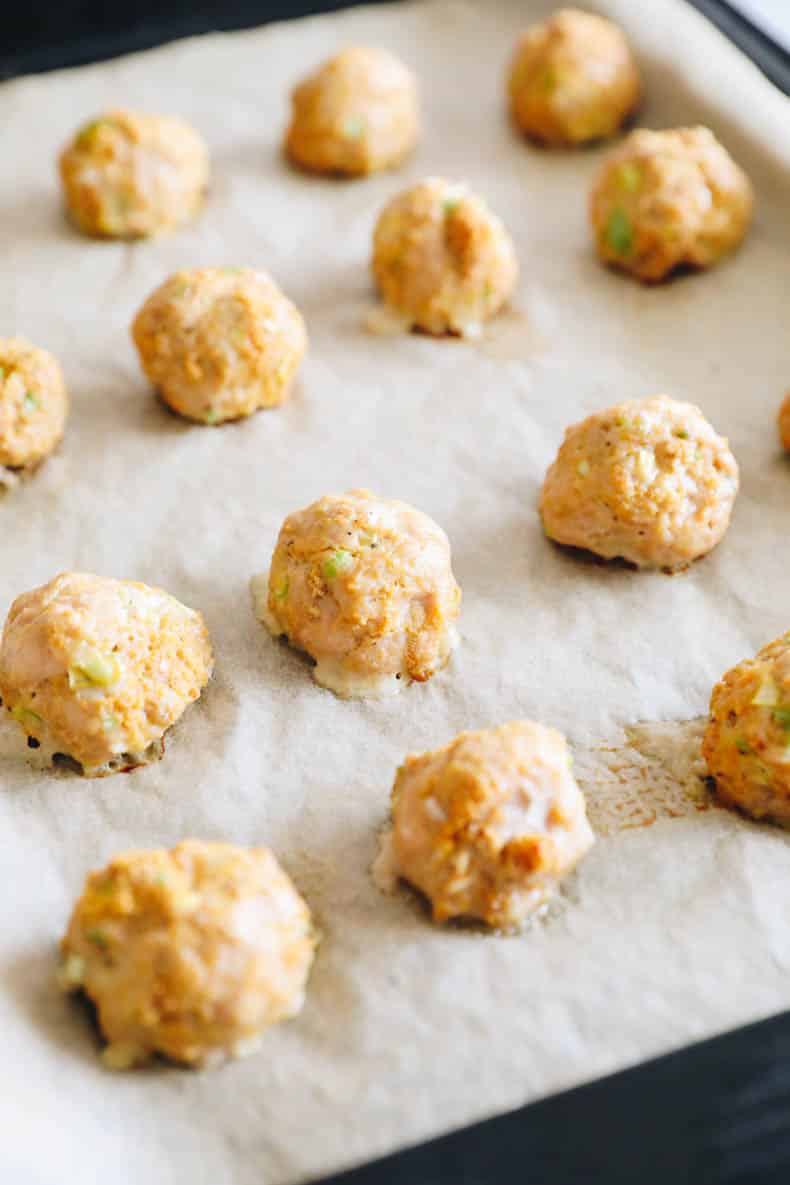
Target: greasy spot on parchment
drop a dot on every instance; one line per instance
(656, 772)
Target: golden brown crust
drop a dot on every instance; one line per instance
(573, 79)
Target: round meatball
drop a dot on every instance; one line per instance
(190, 953)
(666, 200)
(33, 404)
(648, 481)
(747, 741)
(357, 114)
(441, 260)
(220, 343)
(488, 825)
(783, 423)
(128, 175)
(97, 670)
(364, 586)
(572, 79)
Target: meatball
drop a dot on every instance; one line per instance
(33, 404)
(747, 740)
(364, 586)
(97, 670)
(666, 200)
(220, 343)
(441, 260)
(128, 175)
(190, 953)
(572, 79)
(648, 481)
(357, 114)
(783, 423)
(487, 826)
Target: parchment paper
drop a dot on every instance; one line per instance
(670, 932)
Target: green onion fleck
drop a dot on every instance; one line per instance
(630, 176)
(742, 746)
(549, 80)
(767, 694)
(353, 127)
(782, 716)
(93, 670)
(25, 715)
(339, 561)
(85, 135)
(281, 592)
(619, 234)
(450, 204)
(212, 415)
(97, 937)
(31, 402)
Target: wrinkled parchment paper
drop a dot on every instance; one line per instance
(669, 932)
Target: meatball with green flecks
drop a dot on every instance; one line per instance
(33, 406)
(365, 587)
(487, 826)
(442, 261)
(648, 481)
(97, 670)
(747, 740)
(357, 114)
(220, 343)
(667, 200)
(190, 953)
(573, 79)
(129, 175)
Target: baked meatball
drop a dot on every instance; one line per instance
(648, 481)
(33, 404)
(783, 423)
(487, 826)
(747, 741)
(220, 343)
(129, 175)
(357, 114)
(364, 586)
(666, 200)
(441, 260)
(573, 79)
(97, 670)
(190, 953)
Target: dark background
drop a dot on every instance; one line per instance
(717, 1113)
(44, 34)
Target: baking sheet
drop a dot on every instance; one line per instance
(670, 931)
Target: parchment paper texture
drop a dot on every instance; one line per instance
(670, 932)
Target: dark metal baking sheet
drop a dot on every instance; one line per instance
(715, 1113)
